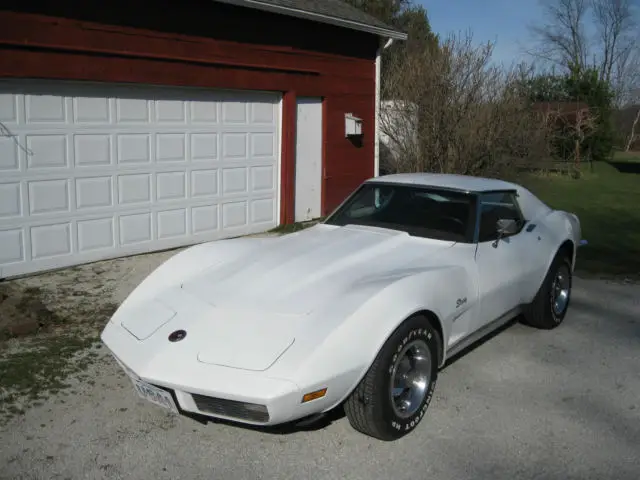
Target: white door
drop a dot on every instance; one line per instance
(308, 159)
(95, 171)
(503, 265)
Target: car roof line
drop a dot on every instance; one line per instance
(441, 187)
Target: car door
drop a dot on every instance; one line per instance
(501, 260)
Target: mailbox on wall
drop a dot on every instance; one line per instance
(352, 125)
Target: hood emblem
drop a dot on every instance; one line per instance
(177, 336)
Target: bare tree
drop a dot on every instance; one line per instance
(633, 135)
(614, 49)
(635, 124)
(615, 24)
(578, 122)
(448, 110)
(562, 38)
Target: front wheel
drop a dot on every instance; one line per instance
(391, 399)
(551, 303)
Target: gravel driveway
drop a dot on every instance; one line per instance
(525, 404)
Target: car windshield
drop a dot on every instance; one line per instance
(418, 210)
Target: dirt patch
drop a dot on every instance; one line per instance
(22, 311)
(49, 330)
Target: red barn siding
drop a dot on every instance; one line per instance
(211, 45)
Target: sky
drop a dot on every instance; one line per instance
(504, 22)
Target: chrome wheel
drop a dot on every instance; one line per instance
(410, 378)
(560, 289)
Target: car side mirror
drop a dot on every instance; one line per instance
(506, 226)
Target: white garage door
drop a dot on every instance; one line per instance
(89, 172)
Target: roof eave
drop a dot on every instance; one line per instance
(318, 17)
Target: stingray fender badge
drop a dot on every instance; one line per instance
(177, 336)
(460, 302)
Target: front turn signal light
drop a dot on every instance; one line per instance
(314, 395)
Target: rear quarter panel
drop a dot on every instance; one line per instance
(553, 229)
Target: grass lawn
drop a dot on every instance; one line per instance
(607, 202)
(633, 157)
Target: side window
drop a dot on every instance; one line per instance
(496, 206)
(369, 202)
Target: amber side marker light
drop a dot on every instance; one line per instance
(314, 395)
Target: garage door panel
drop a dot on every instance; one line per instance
(171, 223)
(171, 111)
(8, 108)
(132, 110)
(13, 248)
(203, 112)
(45, 109)
(133, 148)
(92, 150)
(171, 186)
(171, 147)
(205, 218)
(94, 192)
(135, 228)
(47, 151)
(51, 240)
(263, 178)
(263, 145)
(97, 171)
(91, 110)
(49, 196)
(9, 159)
(96, 234)
(204, 146)
(234, 214)
(204, 182)
(134, 188)
(234, 146)
(262, 211)
(10, 200)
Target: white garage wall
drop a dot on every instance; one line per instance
(89, 172)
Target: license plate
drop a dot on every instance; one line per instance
(154, 395)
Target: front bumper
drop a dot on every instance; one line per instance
(210, 390)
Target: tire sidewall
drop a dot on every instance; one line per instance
(559, 262)
(413, 329)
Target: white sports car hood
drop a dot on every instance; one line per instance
(263, 298)
(214, 334)
(296, 273)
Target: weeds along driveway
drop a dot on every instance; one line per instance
(50, 324)
(525, 404)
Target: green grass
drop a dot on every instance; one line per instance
(40, 367)
(295, 227)
(607, 202)
(62, 342)
(632, 157)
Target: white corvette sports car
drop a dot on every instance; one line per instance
(360, 310)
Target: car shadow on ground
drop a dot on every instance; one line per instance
(478, 343)
(626, 167)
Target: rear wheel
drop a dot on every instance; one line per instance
(393, 396)
(549, 307)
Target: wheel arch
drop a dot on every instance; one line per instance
(435, 323)
(429, 293)
(567, 247)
